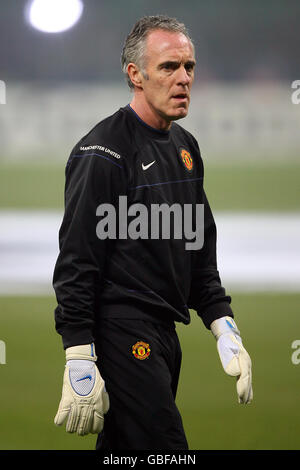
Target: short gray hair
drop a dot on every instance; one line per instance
(135, 43)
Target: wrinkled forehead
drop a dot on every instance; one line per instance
(167, 45)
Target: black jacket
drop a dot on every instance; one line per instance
(158, 279)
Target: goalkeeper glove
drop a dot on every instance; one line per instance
(234, 357)
(84, 398)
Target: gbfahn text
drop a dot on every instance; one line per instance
(168, 459)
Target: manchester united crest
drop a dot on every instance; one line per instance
(186, 158)
(141, 350)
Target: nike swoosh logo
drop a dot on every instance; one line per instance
(84, 378)
(145, 167)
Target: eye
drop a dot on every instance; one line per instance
(189, 67)
(169, 66)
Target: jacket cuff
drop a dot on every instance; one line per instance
(76, 337)
(218, 310)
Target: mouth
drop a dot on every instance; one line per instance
(180, 97)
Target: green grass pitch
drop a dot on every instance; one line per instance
(230, 187)
(31, 379)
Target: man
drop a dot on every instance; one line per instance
(122, 281)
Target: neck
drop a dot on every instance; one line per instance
(148, 114)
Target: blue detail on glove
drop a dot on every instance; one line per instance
(83, 378)
(229, 324)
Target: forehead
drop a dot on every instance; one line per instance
(165, 45)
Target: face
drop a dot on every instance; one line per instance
(169, 67)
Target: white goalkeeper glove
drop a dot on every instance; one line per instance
(234, 357)
(84, 399)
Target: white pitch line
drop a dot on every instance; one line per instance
(256, 251)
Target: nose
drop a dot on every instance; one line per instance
(183, 78)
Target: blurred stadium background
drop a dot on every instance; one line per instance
(60, 85)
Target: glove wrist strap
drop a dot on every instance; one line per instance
(222, 326)
(83, 351)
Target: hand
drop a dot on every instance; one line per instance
(84, 399)
(234, 357)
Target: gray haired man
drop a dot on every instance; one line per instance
(119, 297)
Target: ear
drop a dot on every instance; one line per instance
(135, 75)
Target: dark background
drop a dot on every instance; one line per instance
(235, 40)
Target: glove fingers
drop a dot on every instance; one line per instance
(243, 390)
(101, 410)
(240, 366)
(73, 419)
(244, 387)
(249, 397)
(235, 361)
(62, 412)
(105, 405)
(92, 420)
(61, 416)
(84, 400)
(85, 421)
(98, 423)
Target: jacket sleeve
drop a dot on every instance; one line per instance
(91, 179)
(207, 296)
